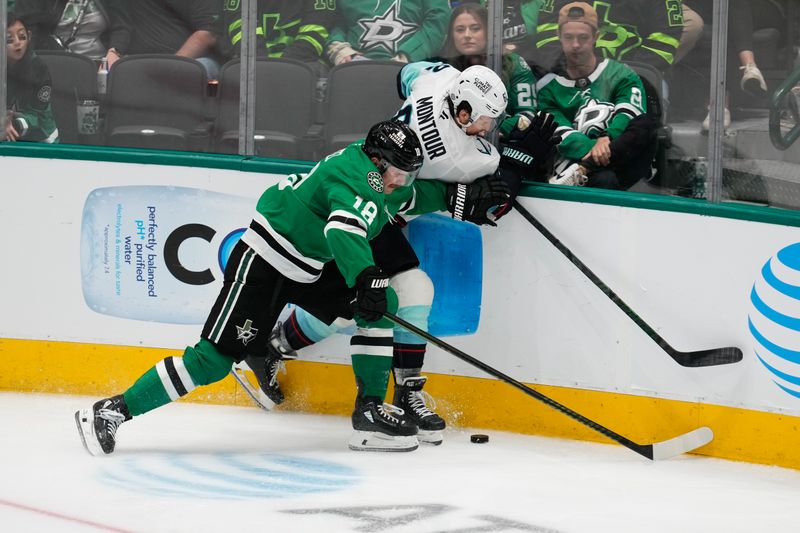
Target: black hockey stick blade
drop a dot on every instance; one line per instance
(656, 451)
(699, 358)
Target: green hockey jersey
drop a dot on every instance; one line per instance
(29, 92)
(521, 85)
(588, 108)
(646, 31)
(294, 29)
(382, 29)
(332, 213)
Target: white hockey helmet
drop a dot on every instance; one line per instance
(482, 89)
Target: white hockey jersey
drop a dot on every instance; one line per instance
(450, 154)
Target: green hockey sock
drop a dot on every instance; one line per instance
(174, 377)
(371, 353)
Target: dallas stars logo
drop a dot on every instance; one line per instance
(375, 181)
(593, 116)
(246, 332)
(385, 30)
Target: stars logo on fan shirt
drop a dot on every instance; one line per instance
(246, 332)
(593, 116)
(44, 94)
(385, 30)
(375, 181)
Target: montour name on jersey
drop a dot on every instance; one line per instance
(429, 134)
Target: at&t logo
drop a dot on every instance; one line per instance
(774, 318)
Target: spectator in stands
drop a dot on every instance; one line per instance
(608, 139)
(466, 46)
(29, 116)
(292, 29)
(95, 28)
(407, 31)
(740, 48)
(655, 32)
(188, 28)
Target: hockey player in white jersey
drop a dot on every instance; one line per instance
(450, 111)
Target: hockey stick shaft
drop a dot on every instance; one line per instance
(646, 450)
(717, 356)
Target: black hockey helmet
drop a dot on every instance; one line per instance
(394, 143)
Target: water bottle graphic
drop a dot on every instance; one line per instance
(157, 253)
(451, 253)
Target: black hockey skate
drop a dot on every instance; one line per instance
(409, 397)
(266, 369)
(98, 426)
(381, 427)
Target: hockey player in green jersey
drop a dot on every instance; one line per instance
(406, 31)
(607, 138)
(308, 244)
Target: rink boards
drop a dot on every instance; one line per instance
(112, 266)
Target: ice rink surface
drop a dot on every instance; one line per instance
(193, 468)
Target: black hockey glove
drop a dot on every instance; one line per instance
(471, 202)
(532, 142)
(370, 301)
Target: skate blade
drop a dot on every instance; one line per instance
(372, 441)
(432, 438)
(254, 391)
(85, 422)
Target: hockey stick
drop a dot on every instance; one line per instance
(699, 358)
(656, 451)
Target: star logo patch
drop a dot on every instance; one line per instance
(375, 181)
(385, 30)
(246, 332)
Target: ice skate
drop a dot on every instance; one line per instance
(98, 426)
(266, 369)
(381, 427)
(409, 396)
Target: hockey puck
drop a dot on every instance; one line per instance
(479, 438)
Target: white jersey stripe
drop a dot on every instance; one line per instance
(348, 216)
(380, 351)
(233, 295)
(281, 264)
(186, 378)
(285, 244)
(166, 381)
(344, 227)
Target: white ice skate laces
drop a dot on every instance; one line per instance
(114, 419)
(275, 367)
(387, 410)
(419, 400)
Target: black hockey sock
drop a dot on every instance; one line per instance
(294, 334)
(407, 359)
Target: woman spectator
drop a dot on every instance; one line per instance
(95, 28)
(29, 115)
(466, 46)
